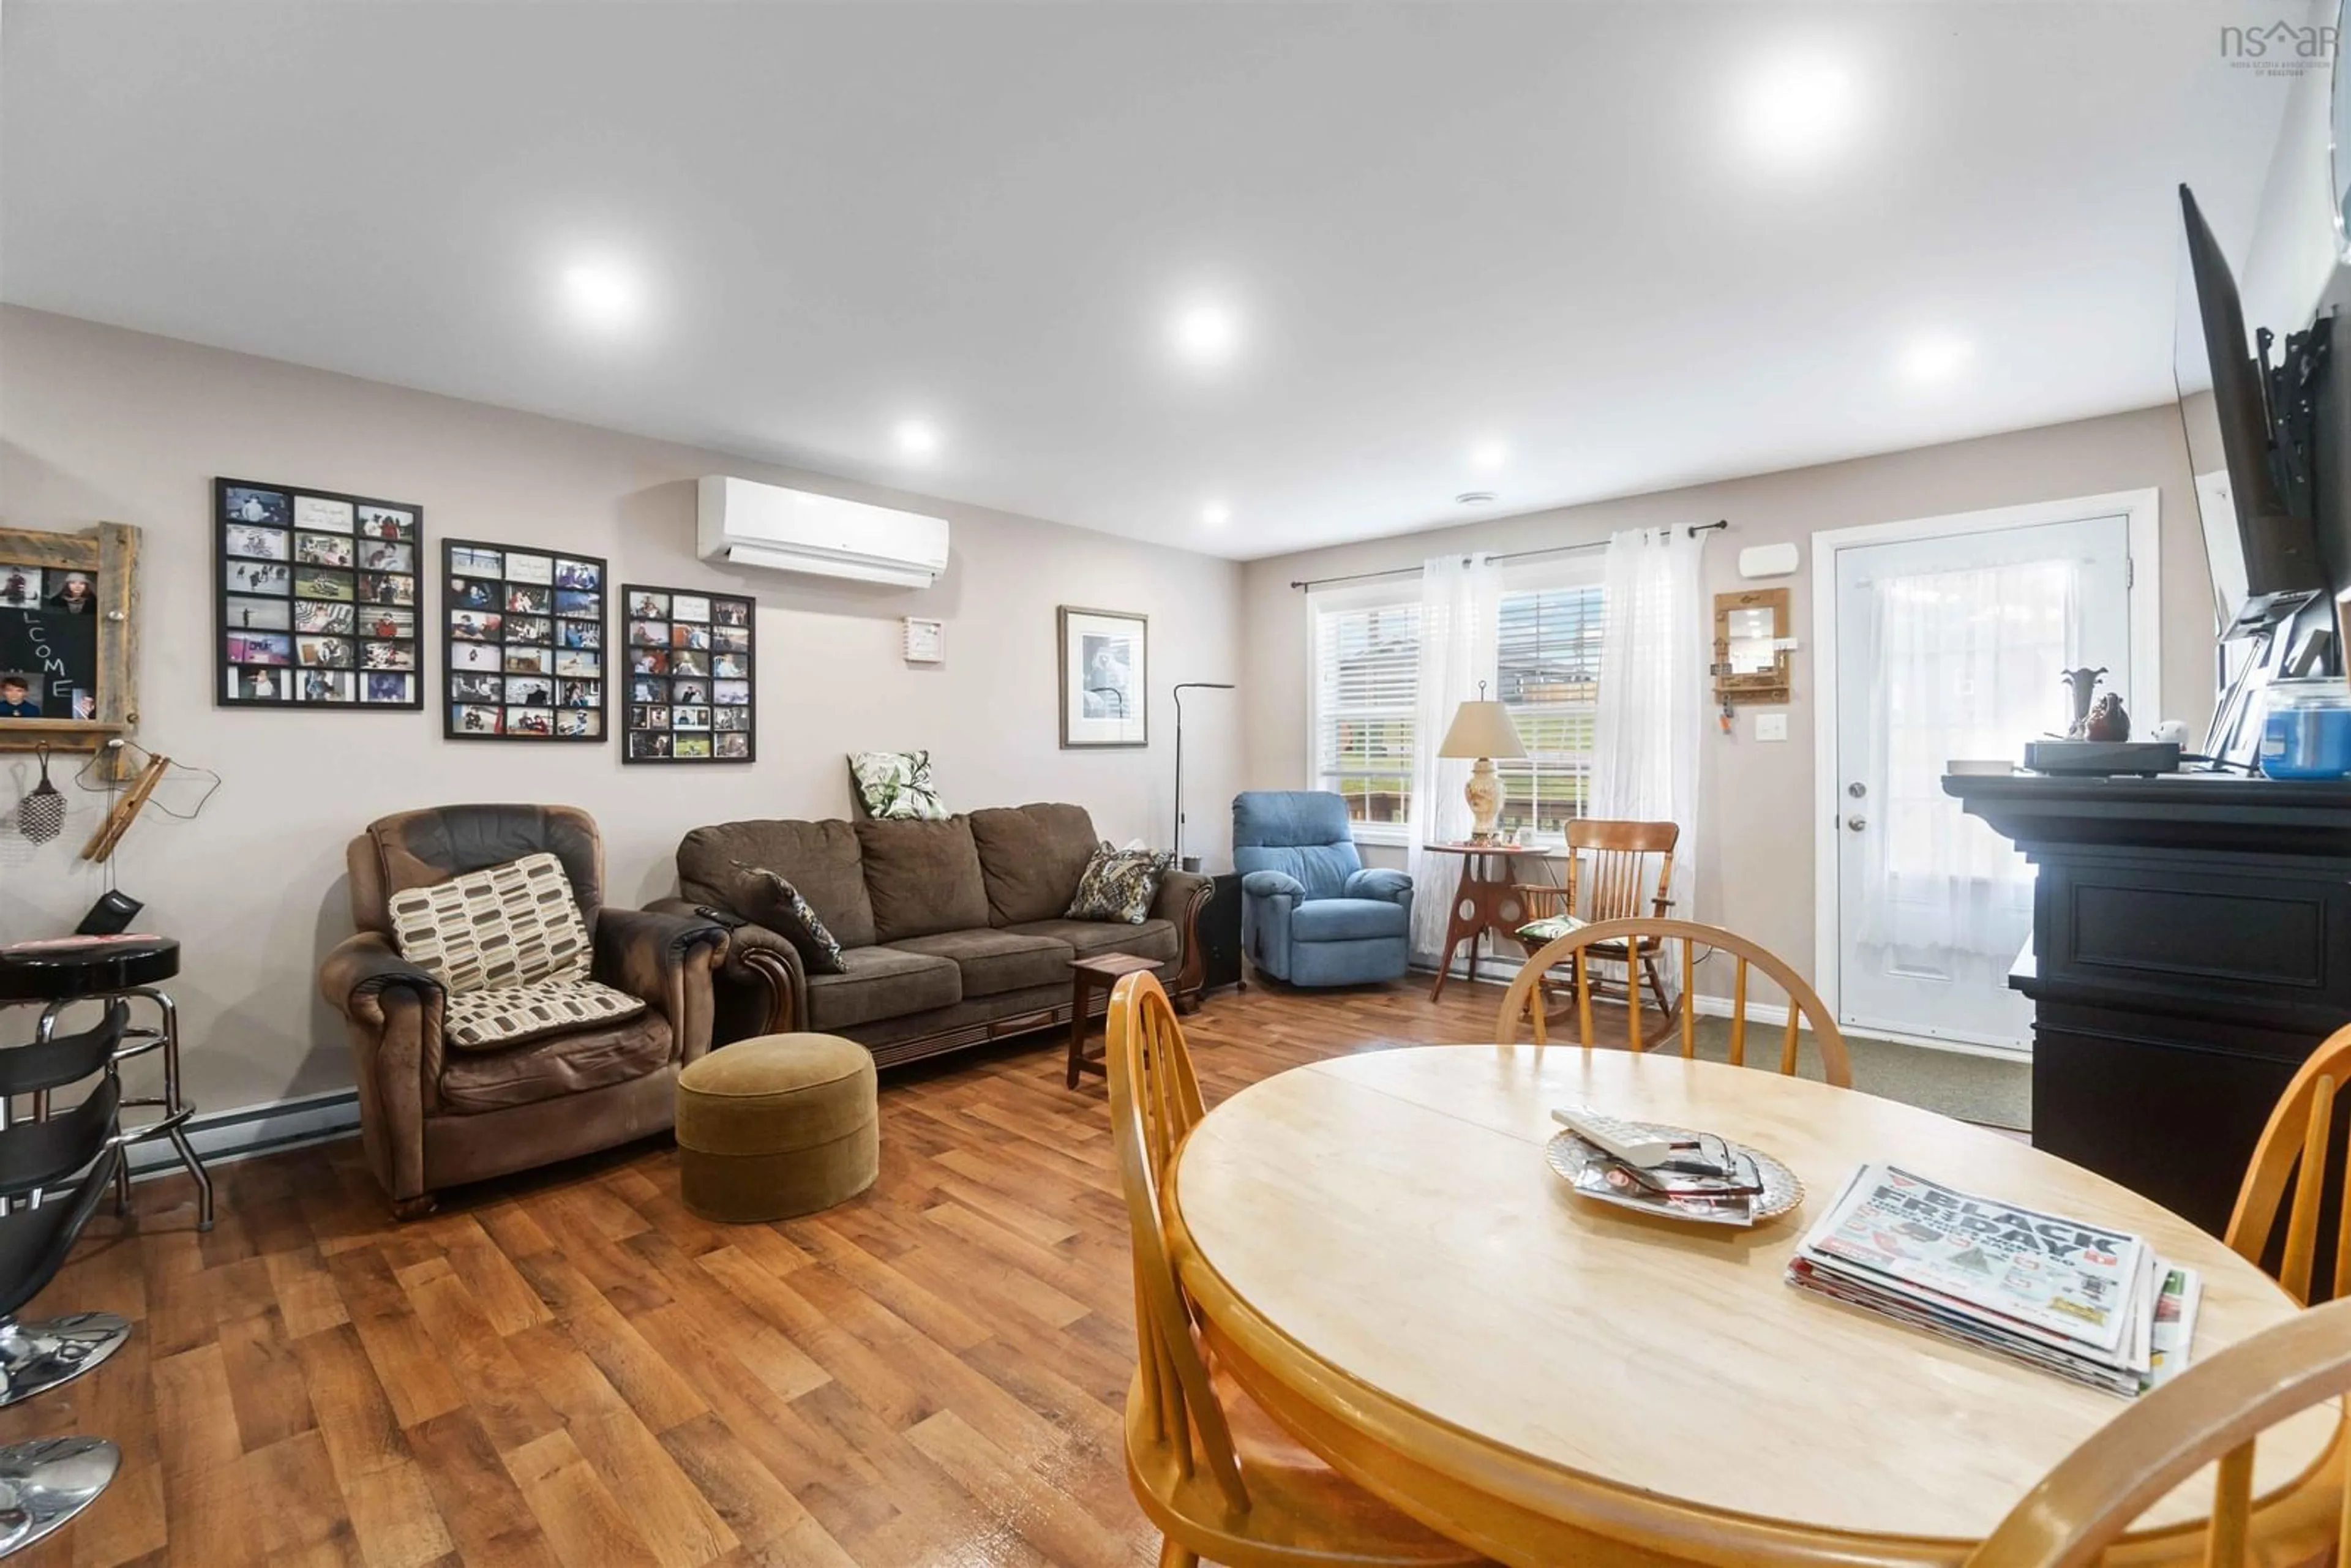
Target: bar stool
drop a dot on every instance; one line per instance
(46, 1482)
(35, 1156)
(57, 974)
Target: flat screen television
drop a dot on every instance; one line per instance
(2281, 550)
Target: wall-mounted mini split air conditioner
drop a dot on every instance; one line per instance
(746, 524)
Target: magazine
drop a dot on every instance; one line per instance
(81, 944)
(1610, 1183)
(2058, 1274)
(2087, 1301)
(2174, 1322)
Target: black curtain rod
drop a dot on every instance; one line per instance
(1695, 529)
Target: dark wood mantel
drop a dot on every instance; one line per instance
(2191, 943)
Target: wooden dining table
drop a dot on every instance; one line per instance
(1381, 1257)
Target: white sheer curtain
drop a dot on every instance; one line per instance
(1458, 607)
(1652, 721)
(1962, 660)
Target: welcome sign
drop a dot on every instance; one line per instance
(48, 643)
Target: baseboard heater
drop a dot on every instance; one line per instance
(249, 1130)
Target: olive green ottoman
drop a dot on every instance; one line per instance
(776, 1126)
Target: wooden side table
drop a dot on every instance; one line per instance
(1485, 900)
(1088, 976)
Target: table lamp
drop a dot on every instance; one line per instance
(1482, 729)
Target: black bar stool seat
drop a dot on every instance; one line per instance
(68, 1059)
(36, 1155)
(67, 970)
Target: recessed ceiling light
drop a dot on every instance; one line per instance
(1216, 514)
(1797, 107)
(1475, 498)
(601, 293)
(916, 439)
(1937, 357)
(1489, 455)
(1207, 334)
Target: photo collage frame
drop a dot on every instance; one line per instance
(524, 635)
(316, 598)
(689, 675)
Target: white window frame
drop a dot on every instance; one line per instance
(1384, 593)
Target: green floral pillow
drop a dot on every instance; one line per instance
(1537, 933)
(1118, 885)
(896, 785)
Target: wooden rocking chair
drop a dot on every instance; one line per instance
(1608, 878)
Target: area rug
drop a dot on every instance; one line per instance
(1981, 1089)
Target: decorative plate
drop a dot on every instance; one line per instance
(1579, 1163)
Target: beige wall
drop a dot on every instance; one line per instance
(99, 424)
(1756, 800)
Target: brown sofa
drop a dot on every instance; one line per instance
(433, 1115)
(952, 932)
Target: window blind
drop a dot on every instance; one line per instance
(1548, 665)
(1367, 673)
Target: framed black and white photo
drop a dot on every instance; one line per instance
(688, 671)
(1105, 678)
(524, 632)
(315, 602)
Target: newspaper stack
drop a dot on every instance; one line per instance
(2089, 1303)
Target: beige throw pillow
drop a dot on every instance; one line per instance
(511, 925)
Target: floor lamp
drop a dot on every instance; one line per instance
(1189, 863)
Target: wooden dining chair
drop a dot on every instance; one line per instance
(2296, 1155)
(1217, 1476)
(1805, 1008)
(2211, 1414)
(1613, 870)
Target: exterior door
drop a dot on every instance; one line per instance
(1952, 647)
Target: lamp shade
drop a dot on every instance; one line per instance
(1482, 729)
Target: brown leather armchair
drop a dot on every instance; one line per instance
(433, 1118)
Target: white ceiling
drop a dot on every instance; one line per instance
(1545, 224)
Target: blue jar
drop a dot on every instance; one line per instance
(2307, 734)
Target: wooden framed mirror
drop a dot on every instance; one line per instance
(1750, 656)
(69, 611)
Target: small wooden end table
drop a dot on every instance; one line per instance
(1485, 900)
(1088, 976)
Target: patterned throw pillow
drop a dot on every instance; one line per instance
(1536, 932)
(476, 1020)
(1118, 885)
(898, 784)
(784, 911)
(512, 925)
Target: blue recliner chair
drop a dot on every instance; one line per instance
(1311, 914)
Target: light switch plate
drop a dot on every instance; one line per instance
(1771, 726)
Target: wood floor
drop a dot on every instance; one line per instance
(573, 1369)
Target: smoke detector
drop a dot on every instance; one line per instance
(1475, 498)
